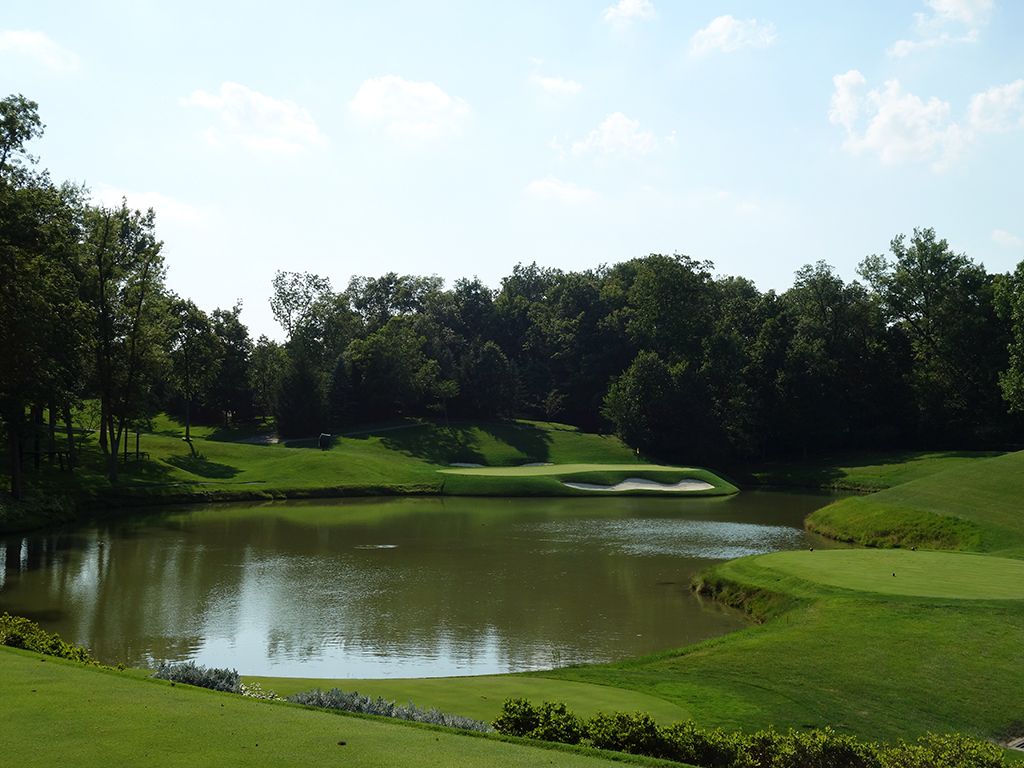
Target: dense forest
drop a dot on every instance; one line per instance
(926, 349)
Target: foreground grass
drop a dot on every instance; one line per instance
(95, 717)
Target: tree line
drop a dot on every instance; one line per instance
(925, 349)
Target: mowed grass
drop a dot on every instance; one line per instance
(955, 576)
(60, 713)
(978, 506)
(551, 480)
(481, 697)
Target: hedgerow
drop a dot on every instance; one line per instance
(19, 632)
(637, 733)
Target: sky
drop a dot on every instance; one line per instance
(461, 138)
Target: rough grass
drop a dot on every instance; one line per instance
(101, 718)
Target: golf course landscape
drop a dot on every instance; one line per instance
(882, 643)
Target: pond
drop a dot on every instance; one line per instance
(402, 587)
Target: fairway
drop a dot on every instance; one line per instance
(109, 718)
(904, 572)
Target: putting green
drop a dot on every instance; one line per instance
(560, 469)
(904, 572)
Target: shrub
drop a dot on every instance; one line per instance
(190, 673)
(825, 748)
(518, 717)
(556, 723)
(355, 702)
(633, 732)
(19, 632)
(952, 750)
(687, 743)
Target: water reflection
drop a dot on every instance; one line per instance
(403, 587)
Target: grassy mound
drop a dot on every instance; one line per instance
(973, 506)
(860, 471)
(903, 572)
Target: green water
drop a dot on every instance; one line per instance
(405, 587)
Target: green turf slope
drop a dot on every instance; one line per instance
(61, 713)
(976, 506)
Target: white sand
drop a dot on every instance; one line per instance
(640, 484)
(537, 464)
(464, 464)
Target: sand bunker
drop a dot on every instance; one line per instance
(640, 484)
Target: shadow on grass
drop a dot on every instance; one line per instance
(460, 442)
(829, 470)
(534, 443)
(436, 443)
(199, 465)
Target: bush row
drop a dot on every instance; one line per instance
(638, 734)
(19, 632)
(355, 702)
(190, 673)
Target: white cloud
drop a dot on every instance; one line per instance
(1006, 239)
(628, 11)
(727, 34)
(410, 109)
(933, 30)
(973, 13)
(901, 127)
(617, 134)
(999, 109)
(167, 208)
(256, 121)
(846, 99)
(557, 85)
(551, 188)
(38, 47)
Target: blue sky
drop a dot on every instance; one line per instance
(459, 138)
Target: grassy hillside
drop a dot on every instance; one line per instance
(976, 506)
(859, 471)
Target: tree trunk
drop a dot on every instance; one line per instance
(51, 448)
(113, 446)
(72, 457)
(14, 443)
(37, 445)
(188, 420)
